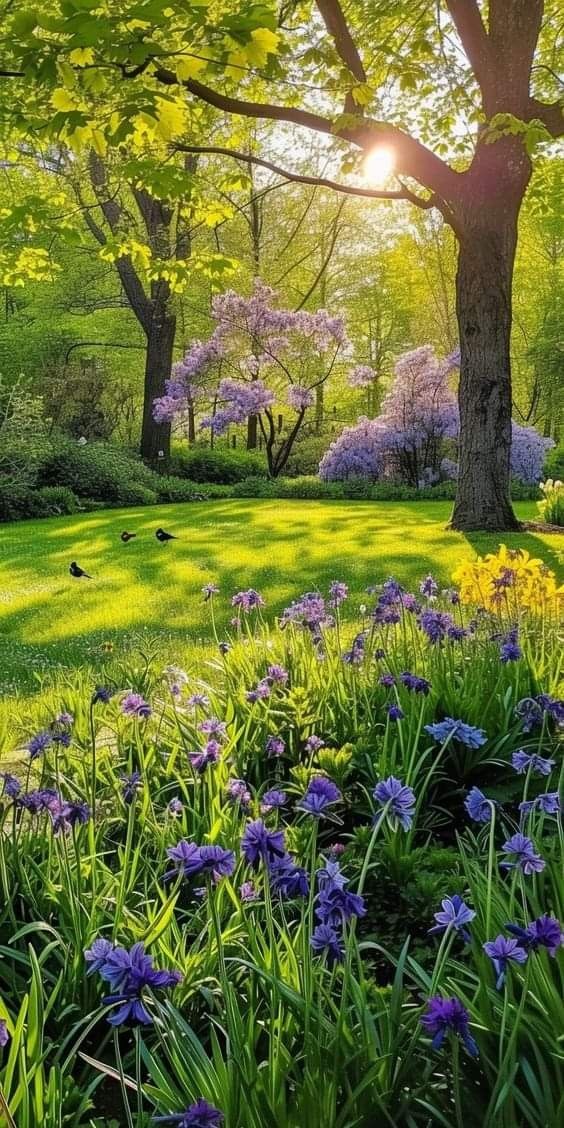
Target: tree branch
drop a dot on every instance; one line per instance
(332, 15)
(473, 36)
(551, 114)
(412, 157)
(320, 181)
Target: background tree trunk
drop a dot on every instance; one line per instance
(155, 437)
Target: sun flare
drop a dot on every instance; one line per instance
(378, 166)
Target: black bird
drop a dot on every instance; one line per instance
(164, 537)
(78, 572)
(125, 536)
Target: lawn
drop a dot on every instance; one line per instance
(145, 590)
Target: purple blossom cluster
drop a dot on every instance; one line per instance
(129, 974)
(335, 906)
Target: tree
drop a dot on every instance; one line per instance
(474, 81)
(264, 356)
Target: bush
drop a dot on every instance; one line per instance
(180, 489)
(306, 455)
(255, 487)
(135, 493)
(554, 464)
(60, 499)
(201, 464)
(19, 502)
(97, 470)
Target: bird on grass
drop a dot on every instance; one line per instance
(125, 536)
(163, 537)
(78, 572)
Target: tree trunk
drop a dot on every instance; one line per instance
(155, 437)
(191, 424)
(252, 432)
(487, 238)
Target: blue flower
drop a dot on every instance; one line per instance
(102, 694)
(238, 792)
(335, 904)
(277, 674)
(522, 850)
(314, 743)
(288, 879)
(338, 592)
(261, 844)
(509, 650)
(429, 587)
(448, 1016)
(453, 917)
(414, 683)
(531, 761)
(4, 1036)
(206, 756)
(191, 860)
(436, 624)
(39, 743)
(544, 932)
(399, 799)
(395, 713)
(501, 951)
(175, 807)
(272, 800)
(321, 793)
(326, 940)
(130, 785)
(198, 1115)
(134, 705)
(128, 974)
(548, 804)
(457, 730)
(478, 806)
(387, 680)
(275, 746)
(11, 786)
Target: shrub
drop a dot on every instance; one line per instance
(61, 499)
(201, 464)
(554, 463)
(306, 455)
(181, 489)
(19, 502)
(552, 505)
(97, 470)
(254, 487)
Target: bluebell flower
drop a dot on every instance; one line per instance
(102, 694)
(552, 706)
(454, 917)
(324, 939)
(212, 726)
(387, 680)
(261, 844)
(247, 891)
(197, 1115)
(338, 592)
(64, 816)
(287, 878)
(272, 800)
(395, 712)
(355, 655)
(198, 701)
(238, 792)
(275, 745)
(435, 624)
(414, 683)
(479, 807)
(175, 806)
(191, 860)
(429, 587)
(97, 955)
(548, 804)
(501, 951)
(524, 761)
(314, 743)
(457, 730)
(399, 800)
(204, 757)
(130, 785)
(321, 793)
(521, 849)
(509, 650)
(330, 874)
(334, 904)
(128, 974)
(448, 1016)
(544, 932)
(134, 705)
(4, 1036)
(39, 743)
(247, 600)
(11, 785)
(277, 674)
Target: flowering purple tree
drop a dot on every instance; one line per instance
(264, 357)
(419, 415)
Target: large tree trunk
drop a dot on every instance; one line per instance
(487, 232)
(155, 437)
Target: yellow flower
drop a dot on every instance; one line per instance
(511, 581)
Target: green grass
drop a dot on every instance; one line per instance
(144, 590)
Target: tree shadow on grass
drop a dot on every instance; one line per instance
(551, 554)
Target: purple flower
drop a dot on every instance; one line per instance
(65, 816)
(190, 860)
(209, 754)
(11, 785)
(102, 694)
(197, 1115)
(338, 592)
(39, 743)
(247, 891)
(198, 701)
(175, 807)
(4, 1036)
(399, 801)
(447, 1016)
(478, 806)
(277, 674)
(238, 791)
(321, 793)
(261, 844)
(212, 726)
(429, 587)
(272, 800)
(260, 693)
(274, 746)
(128, 973)
(509, 650)
(247, 600)
(501, 951)
(395, 713)
(552, 707)
(455, 915)
(457, 730)
(324, 939)
(314, 743)
(134, 705)
(387, 680)
(286, 878)
(64, 719)
(544, 932)
(97, 955)
(309, 612)
(209, 590)
(130, 785)
(531, 761)
(414, 683)
(335, 904)
(548, 804)
(523, 852)
(435, 624)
